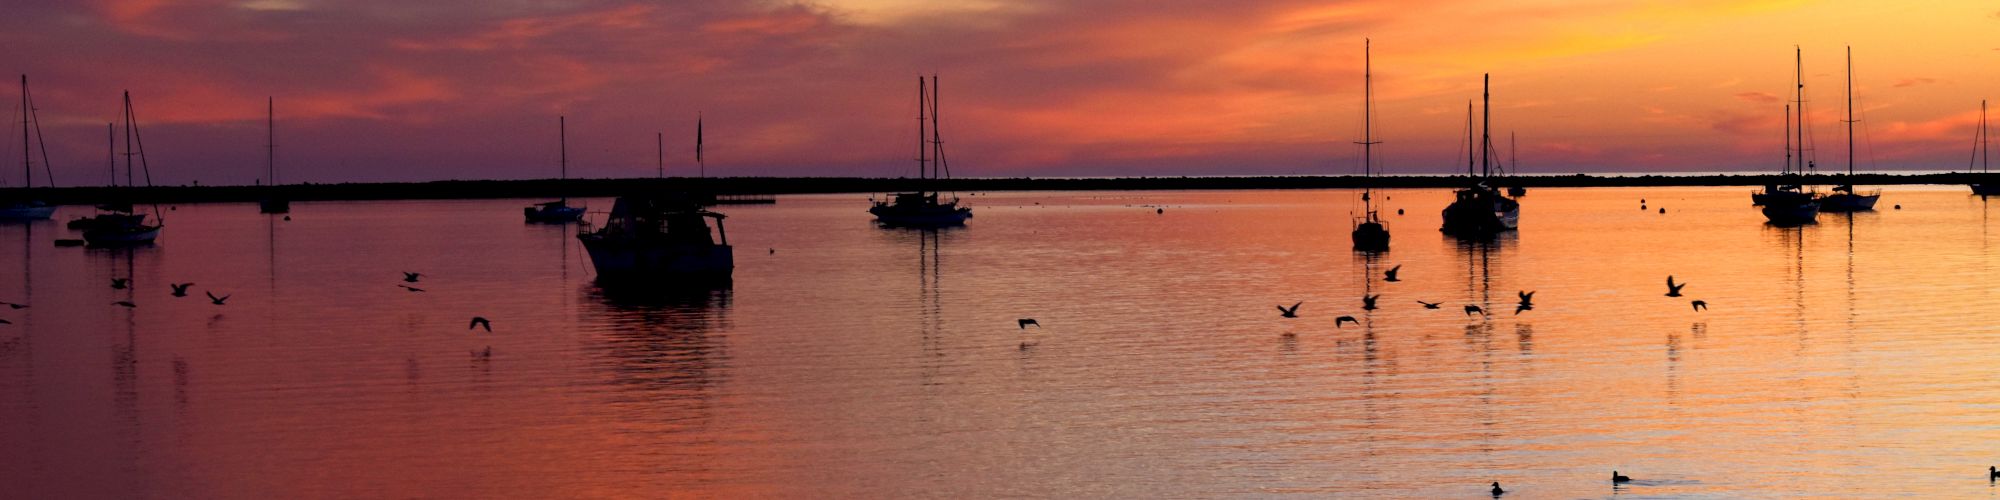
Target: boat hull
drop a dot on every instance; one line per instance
(890, 216)
(552, 215)
(1371, 237)
(123, 236)
(1481, 215)
(1794, 214)
(1986, 189)
(1846, 202)
(26, 212)
(274, 206)
(659, 262)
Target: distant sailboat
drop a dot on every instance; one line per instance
(559, 211)
(273, 202)
(1789, 203)
(1370, 235)
(1979, 156)
(24, 208)
(1514, 165)
(119, 224)
(1482, 211)
(1844, 198)
(923, 208)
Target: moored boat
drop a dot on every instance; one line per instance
(1844, 198)
(1481, 211)
(1370, 234)
(1791, 204)
(659, 241)
(924, 208)
(559, 211)
(28, 209)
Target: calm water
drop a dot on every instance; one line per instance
(1852, 358)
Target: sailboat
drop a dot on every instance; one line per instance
(28, 209)
(1979, 149)
(273, 202)
(923, 208)
(1789, 203)
(1844, 198)
(1370, 235)
(559, 211)
(1514, 165)
(118, 224)
(1481, 211)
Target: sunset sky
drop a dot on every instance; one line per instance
(393, 90)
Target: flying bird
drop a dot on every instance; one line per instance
(1615, 478)
(478, 321)
(1470, 309)
(410, 277)
(215, 299)
(1674, 290)
(1024, 322)
(1290, 313)
(1527, 303)
(1390, 275)
(1344, 319)
(120, 283)
(181, 289)
(1700, 305)
(126, 303)
(5, 322)
(11, 305)
(1368, 302)
(410, 288)
(1430, 305)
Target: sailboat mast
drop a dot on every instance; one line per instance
(1788, 139)
(1513, 162)
(1367, 113)
(1469, 147)
(1799, 79)
(939, 168)
(128, 139)
(1850, 112)
(699, 163)
(111, 153)
(562, 148)
(660, 139)
(271, 140)
(27, 160)
(923, 150)
(1486, 125)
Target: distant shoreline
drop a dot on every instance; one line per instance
(730, 186)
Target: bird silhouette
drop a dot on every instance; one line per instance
(215, 299)
(774, 251)
(478, 321)
(1024, 322)
(1390, 275)
(1368, 302)
(1527, 303)
(1616, 479)
(120, 283)
(126, 303)
(1470, 309)
(181, 289)
(1159, 211)
(410, 277)
(1290, 313)
(410, 288)
(1496, 489)
(1430, 305)
(11, 305)
(1992, 473)
(1674, 290)
(5, 322)
(1343, 320)
(1700, 305)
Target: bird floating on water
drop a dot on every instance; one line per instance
(180, 289)
(215, 299)
(1368, 302)
(1024, 322)
(1344, 319)
(1290, 313)
(1699, 305)
(1674, 290)
(1992, 473)
(1496, 489)
(1616, 479)
(120, 283)
(1390, 275)
(1430, 305)
(479, 321)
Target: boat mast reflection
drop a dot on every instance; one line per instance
(659, 349)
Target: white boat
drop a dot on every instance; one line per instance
(28, 210)
(659, 241)
(924, 208)
(1844, 198)
(1481, 211)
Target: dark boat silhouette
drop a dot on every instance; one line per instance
(659, 240)
(559, 211)
(28, 209)
(273, 202)
(1790, 203)
(1844, 198)
(1481, 211)
(119, 224)
(924, 208)
(1990, 186)
(1370, 235)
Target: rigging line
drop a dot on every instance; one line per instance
(41, 141)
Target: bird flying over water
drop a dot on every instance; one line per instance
(11, 305)
(215, 299)
(410, 277)
(180, 289)
(1470, 309)
(5, 322)
(120, 283)
(410, 288)
(1024, 322)
(126, 303)
(1345, 319)
(1430, 305)
(1390, 275)
(1368, 302)
(1674, 290)
(1527, 303)
(1290, 313)
(478, 321)
(1699, 305)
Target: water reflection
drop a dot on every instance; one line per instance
(661, 351)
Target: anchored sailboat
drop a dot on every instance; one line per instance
(923, 208)
(1988, 188)
(1370, 235)
(118, 224)
(1481, 211)
(1844, 198)
(1789, 203)
(559, 211)
(25, 209)
(273, 202)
